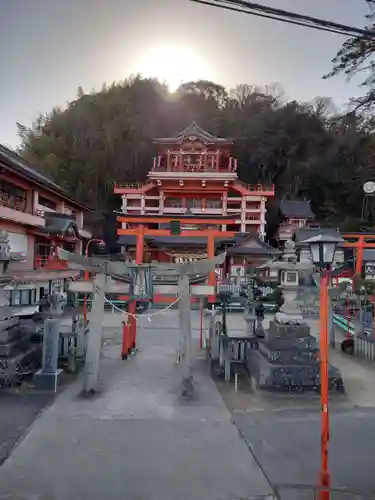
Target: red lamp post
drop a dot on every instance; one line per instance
(100, 242)
(322, 249)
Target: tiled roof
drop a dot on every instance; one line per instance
(369, 255)
(310, 232)
(182, 217)
(252, 245)
(296, 208)
(190, 241)
(193, 130)
(18, 165)
(57, 224)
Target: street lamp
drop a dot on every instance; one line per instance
(99, 242)
(322, 248)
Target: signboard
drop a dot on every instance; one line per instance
(370, 270)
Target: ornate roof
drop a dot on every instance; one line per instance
(252, 245)
(193, 130)
(60, 224)
(296, 208)
(16, 164)
(305, 233)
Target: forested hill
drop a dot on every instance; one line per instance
(306, 150)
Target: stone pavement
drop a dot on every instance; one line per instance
(283, 431)
(137, 440)
(19, 409)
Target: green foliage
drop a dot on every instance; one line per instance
(276, 297)
(356, 57)
(363, 287)
(304, 149)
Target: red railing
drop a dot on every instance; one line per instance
(129, 185)
(50, 262)
(258, 188)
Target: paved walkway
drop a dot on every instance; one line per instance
(137, 440)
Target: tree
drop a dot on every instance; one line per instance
(305, 149)
(356, 56)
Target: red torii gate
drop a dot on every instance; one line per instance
(141, 231)
(359, 245)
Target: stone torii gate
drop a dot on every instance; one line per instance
(100, 286)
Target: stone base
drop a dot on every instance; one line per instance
(276, 376)
(289, 318)
(47, 381)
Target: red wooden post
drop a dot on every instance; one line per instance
(324, 473)
(132, 323)
(125, 340)
(201, 325)
(211, 255)
(359, 255)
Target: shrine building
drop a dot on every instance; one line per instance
(193, 181)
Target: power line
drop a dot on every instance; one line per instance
(285, 16)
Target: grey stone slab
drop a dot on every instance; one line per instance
(6, 325)
(287, 443)
(284, 330)
(14, 346)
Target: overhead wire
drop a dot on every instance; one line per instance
(288, 17)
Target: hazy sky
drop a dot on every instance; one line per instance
(50, 47)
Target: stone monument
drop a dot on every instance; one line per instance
(49, 376)
(287, 357)
(289, 269)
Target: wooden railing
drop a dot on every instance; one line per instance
(129, 185)
(258, 188)
(14, 204)
(50, 262)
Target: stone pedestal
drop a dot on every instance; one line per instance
(47, 381)
(49, 376)
(287, 359)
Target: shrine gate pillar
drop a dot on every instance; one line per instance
(132, 322)
(211, 255)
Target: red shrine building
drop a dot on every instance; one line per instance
(37, 216)
(194, 179)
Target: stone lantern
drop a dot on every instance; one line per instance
(289, 269)
(287, 357)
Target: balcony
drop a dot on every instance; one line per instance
(193, 161)
(50, 263)
(13, 211)
(131, 187)
(260, 189)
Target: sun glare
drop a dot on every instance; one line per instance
(173, 65)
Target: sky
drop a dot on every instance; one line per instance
(50, 47)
